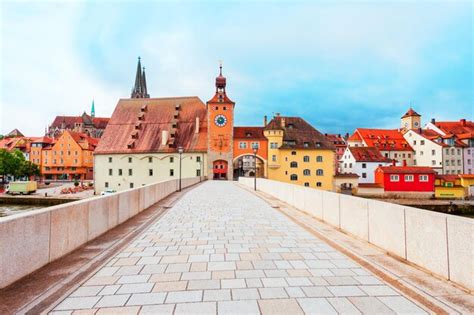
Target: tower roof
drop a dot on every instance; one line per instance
(220, 80)
(411, 113)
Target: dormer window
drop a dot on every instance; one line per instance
(318, 144)
(306, 144)
(290, 126)
(248, 134)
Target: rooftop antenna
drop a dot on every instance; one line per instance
(220, 67)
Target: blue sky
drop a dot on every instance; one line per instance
(338, 64)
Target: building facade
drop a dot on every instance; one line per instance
(299, 154)
(362, 161)
(246, 139)
(88, 124)
(406, 179)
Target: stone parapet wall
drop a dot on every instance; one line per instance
(30, 240)
(440, 243)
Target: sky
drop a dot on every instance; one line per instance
(338, 64)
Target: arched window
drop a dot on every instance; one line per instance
(306, 184)
(293, 165)
(306, 172)
(319, 172)
(294, 177)
(319, 158)
(306, 158)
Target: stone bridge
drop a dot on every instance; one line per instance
(220, 248)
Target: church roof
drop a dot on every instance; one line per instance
(137, 126)
(411, 113)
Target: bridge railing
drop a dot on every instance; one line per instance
(33, 239)
(441, 243)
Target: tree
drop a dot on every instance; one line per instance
(14, 164)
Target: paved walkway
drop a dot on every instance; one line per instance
(222, 250)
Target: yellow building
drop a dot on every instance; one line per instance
(299, 154)
(454, 186)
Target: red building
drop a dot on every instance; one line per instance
(405, 178)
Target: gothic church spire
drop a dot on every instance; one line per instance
(139, 89)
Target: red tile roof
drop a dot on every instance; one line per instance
(407, 169)
(249, 133)
(411, 113)
(147, 118)
(383, 139)
(337, 140)
(463, 129)
(70, 121)
(298, 134)
(368, 154)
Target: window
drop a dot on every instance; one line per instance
(350, 165)
(255, 145)
(306, 144)
(110, 172)
(306, 172)
(421, 152)
(198, 172)
(131, 185)
(242, 145)
(150, 172)
(306, 184)
(274, 158)
(120, 172)
(364, 165)
(409, 155)
(409, 178)
(433, 162)
(294, 177)
(394, 178)
(150, 160)
(447, 162)
(319, 158)
(129, 160)
(423, 178)
(319, 172)
(198, 159)
(171, 172)
(459, 151)
(130, 172)
(433, 152)
(422, 142)
(396, 155)
(364, 175)
(318, 184)
(106, 184)
(414, 142)
(171, 159)
(306, 158)
(293, 165)
(273, 145)
(293, 152)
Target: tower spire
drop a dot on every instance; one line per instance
(144, 88)
(93, 109)
(139, 89)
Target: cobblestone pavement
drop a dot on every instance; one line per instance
(223, 250)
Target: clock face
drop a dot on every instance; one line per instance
(416, 124)
(220, 120)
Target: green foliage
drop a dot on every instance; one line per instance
(76, 183)
(14, 164)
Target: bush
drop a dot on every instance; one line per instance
(76, 183)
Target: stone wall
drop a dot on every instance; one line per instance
(441, 243)
(33, 239)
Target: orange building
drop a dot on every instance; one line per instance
(245, 139)
(69, 157)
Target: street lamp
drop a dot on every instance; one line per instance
(200, 170)
(180, 151)
(255, 149)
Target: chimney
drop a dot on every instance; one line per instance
(164, 137)
(277, 114)
(265, 121)
(197, 125)
(433, 121)
(282, 121)
(463, 122)
(325, 134)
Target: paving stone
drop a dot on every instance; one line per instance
(370, 305)
(198, 267)
(346, 290)
(87, 291)
(253, 283)
(367, 280)
(249, 274)
(238, 307)
(223, 275)
(170, 286)
(153, 269)
(298, 281)
(109, 289)
(341, 280)
(316, 291)
(378, 290)
(295, 292)
(101, 280)
(184, 296)
(165, 277)
(217, 295)
(272, 293)
(165, 309)
(199, 258)
(129, 310)
(203, 284)
(196, 308)
(316, 306)
(274, 282)
(107, 271)
(233, 283)
(343, 305)
(146, 298)
(135, 288)
(401, 305)
(133, 279)
(245, 294)
(280, 306)
(76, 303)
(178, 268)
(203, 275)
(222, 265)
(113, 300)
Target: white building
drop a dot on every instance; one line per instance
(362, 161)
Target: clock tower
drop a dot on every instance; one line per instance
(220, 132)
